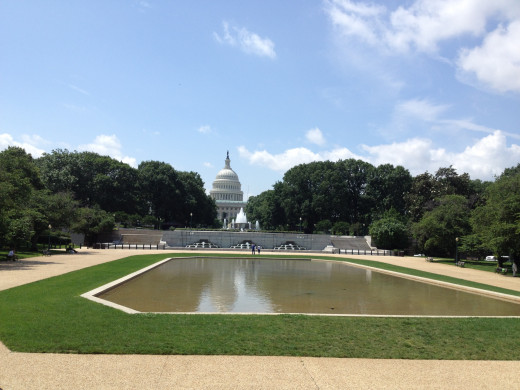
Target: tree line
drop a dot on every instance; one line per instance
(443, 213)
(87, 193)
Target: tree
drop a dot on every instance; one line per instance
(437, 230)
(92, 179)
(323, 226)
(386, 188)
(195, 200)
(266, 208)
(390, 232)
(341, 228)
(420, 197)
(161, 190)
(91, 222)
(497, 222)
(326, 190)
(19, 182)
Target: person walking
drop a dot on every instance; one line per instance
(253, 249)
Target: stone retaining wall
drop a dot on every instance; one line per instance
(227, 239)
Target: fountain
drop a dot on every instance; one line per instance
(241, 220)
(257, 225)
(224, 226)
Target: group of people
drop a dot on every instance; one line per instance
(255, 248)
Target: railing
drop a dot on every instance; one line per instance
(365, 252)
(100, 245)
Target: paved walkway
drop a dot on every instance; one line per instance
(62, 371)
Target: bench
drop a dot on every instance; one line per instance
(501, 270)
(11, 258)
(46, 252)
(429, 259)
(460, 264)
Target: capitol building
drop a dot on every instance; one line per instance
(227, 192)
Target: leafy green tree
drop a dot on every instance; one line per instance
(386, 187)
(93, 179)
(390, 232)
(19, 184)
(472, 246)
(323, 226)
(195, 200)
(497, 222)
(341, 228)
(266, 208)
(420, 198)
(91, 222)
(326, 190)
(437, 230)
(162, 190)
(448, 182)
(427, 190)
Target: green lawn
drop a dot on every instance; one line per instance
(50, 316)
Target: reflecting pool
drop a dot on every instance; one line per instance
(218, 285)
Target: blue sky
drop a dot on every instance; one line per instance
(423, 84)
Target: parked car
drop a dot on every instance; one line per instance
(491, 258)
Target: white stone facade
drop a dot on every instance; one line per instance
(227, 192)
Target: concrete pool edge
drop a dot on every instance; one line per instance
(92, 295)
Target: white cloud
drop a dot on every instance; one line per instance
(420, 108)
(488, 157)
(484, 159)
(315, 136)
(108, 145)
(30, 143)
(425, 24)
(246, 41)
(205, 129)
(292, 157)
(78, 89)
(496, 63)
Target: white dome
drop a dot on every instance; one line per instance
(227, 174)
(227, 189)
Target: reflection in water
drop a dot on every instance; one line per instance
(292, 286)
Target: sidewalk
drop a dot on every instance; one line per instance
(62, 371)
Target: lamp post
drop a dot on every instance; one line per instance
(49, 246)
(191, 219)
(456, 250)
(300, 224)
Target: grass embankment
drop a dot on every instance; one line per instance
(50, 316)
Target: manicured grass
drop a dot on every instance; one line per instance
(50, 316)
(489, 266)
(25, 254)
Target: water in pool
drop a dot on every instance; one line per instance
(219, 285)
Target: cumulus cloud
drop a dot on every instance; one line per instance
(484, 159)
(245, 40)
(30, 143)
(108, 145)
(425, 24)
(496, 63)
(315, 136)
(292, 157)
